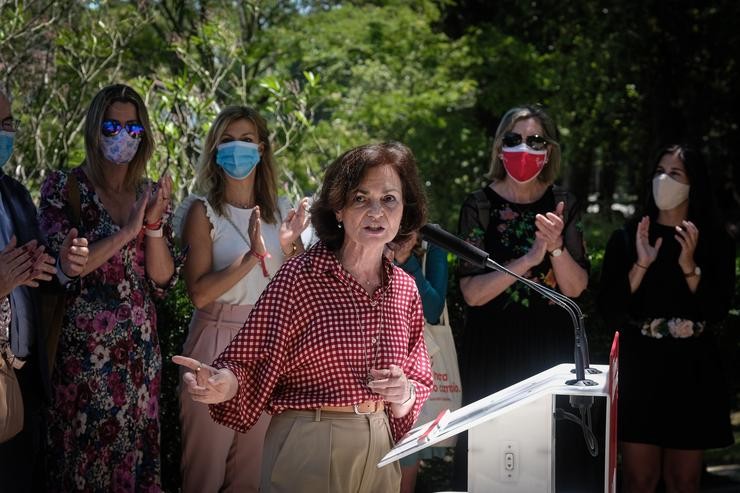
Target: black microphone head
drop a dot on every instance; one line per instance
(434, 234)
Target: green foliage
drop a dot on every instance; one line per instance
(436, 75)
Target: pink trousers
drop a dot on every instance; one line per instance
(216, 458)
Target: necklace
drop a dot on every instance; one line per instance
(238, 205)
(368, 363)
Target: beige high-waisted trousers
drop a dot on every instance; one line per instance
(216, 458)
(328, 452)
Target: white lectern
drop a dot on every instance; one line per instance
(520, 439)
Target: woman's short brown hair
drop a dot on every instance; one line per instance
(117, 93)
(343, 177)
(549, 129)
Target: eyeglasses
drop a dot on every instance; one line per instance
(111, 128)
(536, 142)
(9, 124)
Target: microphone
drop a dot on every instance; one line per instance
(433, 233)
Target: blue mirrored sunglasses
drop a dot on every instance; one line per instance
(110, 128)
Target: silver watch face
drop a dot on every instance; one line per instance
(557, 252)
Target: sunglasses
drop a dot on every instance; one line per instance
(9, 124)
(536, 142)
(111, 128)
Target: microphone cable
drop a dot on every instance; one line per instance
(583, 404)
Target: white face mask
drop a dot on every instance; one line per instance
(668, 192)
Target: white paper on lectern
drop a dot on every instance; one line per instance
(551, 381)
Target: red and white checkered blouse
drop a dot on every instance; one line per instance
(313, 336)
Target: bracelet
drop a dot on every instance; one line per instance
(154, 233)
(155, 225)
(61, 275)
(292, 252)
(412, 394)
(261, 259)
(641, 266)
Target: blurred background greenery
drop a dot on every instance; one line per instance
(620, 78)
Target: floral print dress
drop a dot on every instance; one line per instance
(519, 333)
(103, 424)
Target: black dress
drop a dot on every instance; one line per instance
(519, 333)
(672, 391)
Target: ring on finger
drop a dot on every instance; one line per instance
(200, 367)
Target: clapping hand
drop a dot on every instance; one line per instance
(159, 199)
(400, 252)
(295, 222)
(73, 254)
(15, 265)
(550, 226)
(257, 243)
(136, 216)
(537, 251)
(25, 265)
(646, 253)
(44, 266)
(688, 237)
(205, 383)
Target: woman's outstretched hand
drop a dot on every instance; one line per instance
(205, 383)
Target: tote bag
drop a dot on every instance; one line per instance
(11, 401)
(446, 388)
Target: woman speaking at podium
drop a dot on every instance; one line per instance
(334, 347)
(665, 277)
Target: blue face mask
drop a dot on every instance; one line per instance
(6, 146)
(238, 158)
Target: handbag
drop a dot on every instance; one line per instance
(447, 387)
(54, 303)
(11, 400)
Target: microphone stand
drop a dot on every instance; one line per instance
(582, 359)
(476, 256)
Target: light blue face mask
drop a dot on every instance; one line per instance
(6, 146)
(238, 159)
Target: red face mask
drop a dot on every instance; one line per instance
(522, 163)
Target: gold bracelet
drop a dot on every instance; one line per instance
(292, 252)
(641, 266)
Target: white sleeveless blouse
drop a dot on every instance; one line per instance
(228, 246)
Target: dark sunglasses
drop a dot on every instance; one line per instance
(536, 142)
(10, 124)
(110, 128)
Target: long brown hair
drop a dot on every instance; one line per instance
(136, 169)
(211, 179)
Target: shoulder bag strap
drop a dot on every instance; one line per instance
(73, 188)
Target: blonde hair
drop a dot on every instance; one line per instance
(552, 167)
(210, 179)
(136, 169)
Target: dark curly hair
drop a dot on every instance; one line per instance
(343, 177)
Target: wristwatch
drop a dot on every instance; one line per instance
(556, 253)
(695, 272)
